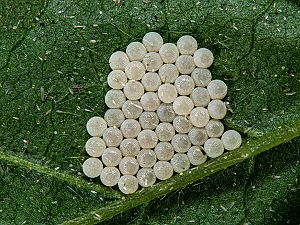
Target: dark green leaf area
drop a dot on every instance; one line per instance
(260, 190)
(33, 198)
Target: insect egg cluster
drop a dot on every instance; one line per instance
(164, 115)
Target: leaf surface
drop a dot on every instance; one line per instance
(53, 66)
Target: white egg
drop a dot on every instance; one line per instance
(112, 137)
(114, 117)
(213, 147)
(231, 139)
(180, 162)
(146, 177)
(148, 120)
(169, 53)
(128, 184)
(164, 151)
(147, 139)
(203, 58)
(217, 109)
(153, 41)
(116, 79)
(130, 128)
(128, 166)
(92, 167)
(110, 176)
(196, 155)
(167, 93)
(96, 126)
(133, 90)
(165, 131)
(146, 158)
(135, 70)
(163, 170)
(132, 109)
(114, 99)
(199, 117)
(150, 101)
(95, 146)
(111, 156)
(181, 143)
(136, 51)
(183, 105)
(185, 64)
(118, 61)
(187, 45)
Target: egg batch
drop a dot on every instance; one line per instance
(164, 115)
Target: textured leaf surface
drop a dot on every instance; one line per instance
(53, 66)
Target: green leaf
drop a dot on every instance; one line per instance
(52, 79)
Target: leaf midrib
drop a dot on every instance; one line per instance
(251, 146)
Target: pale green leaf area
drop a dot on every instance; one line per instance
(53, 66)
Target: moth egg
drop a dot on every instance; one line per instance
(96, 126)
(152, 41)
(165, 131)
(200, 97)
(128, 166)
(181, 143)
(116, 79)
(146, 177)
(147, 139)
(213, 147)
(184, 85)
(201, 77)
(203, 58)
(150, 101)
(214, 128)
(136, 51)
(168, 73)
(183, 105)
(111, 156)
(152, 61)
(196, 155)
(217, 89)
(217, 109)
(146, 158)
(128, 184)
(92, 167)
(132, 109)
(231, 139)
(110, 176)
(198, 136)
(135, 70)
(180, 162)
(148, 120)
(130, 147)
(163, 170)
(114, 99)
(133, 90)
(199, 117)
(169, 53)
(112, 136)
(151, 81)
(185, 64)
(114, 117)
(167, 93)
(166, 112)
(130, 128)
(164, 151)
(187, 45)
(118, 61)
(182, 124)
(95, 146)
